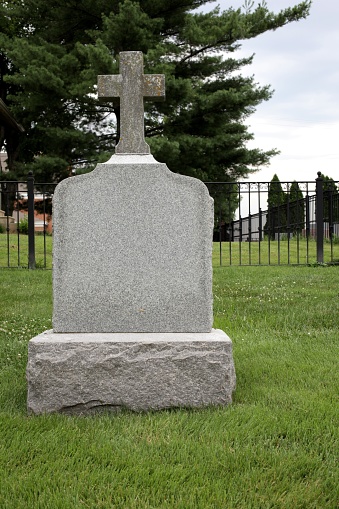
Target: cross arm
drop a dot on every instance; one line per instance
(109, 86)
(154, 86)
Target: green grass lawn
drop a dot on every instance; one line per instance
(14, 250)
(293, 252)
(276, 446)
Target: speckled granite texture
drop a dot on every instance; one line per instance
(132, 250)
(86, 373)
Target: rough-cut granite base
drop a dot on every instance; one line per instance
(88, 372)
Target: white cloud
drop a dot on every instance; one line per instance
(301, 63)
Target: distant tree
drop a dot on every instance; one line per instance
(331, 199)
(226, 201)
(276, 213)
(296, 208)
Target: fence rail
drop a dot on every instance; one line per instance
(256, 223)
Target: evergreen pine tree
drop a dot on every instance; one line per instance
(276, 209)
(331, 199)
(53, 55)
(296, 208)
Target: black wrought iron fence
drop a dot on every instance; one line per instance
(256, 223)
(26, 224)
(265, 223)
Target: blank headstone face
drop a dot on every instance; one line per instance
(132, 251)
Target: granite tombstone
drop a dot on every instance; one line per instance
(132, 280)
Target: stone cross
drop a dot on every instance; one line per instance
(131, 85)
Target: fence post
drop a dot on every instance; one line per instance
(31, 228)
(319, 216)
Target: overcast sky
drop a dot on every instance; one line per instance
(301, 63)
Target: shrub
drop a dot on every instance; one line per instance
(335, 240)
(23, 226)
